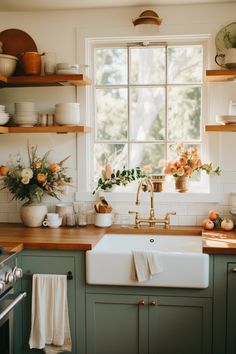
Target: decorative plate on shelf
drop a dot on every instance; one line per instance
(226, 38)
(226, 119)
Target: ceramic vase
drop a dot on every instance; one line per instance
(33, 214)
(182, 184)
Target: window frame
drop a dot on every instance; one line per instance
(211, 193)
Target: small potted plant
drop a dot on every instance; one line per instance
(188, 161)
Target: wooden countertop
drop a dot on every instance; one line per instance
(16, 237)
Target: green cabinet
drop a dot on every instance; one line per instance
(148, 324)
(53, 262)
(225, 305)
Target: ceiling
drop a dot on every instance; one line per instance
(33, 5)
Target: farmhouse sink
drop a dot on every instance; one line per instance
(184, 264)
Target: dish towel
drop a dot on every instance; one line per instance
(146, 264)
(50, 329)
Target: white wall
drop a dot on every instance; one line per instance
(64, 32)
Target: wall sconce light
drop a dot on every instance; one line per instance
(147, 17)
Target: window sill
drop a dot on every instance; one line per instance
(163, 197)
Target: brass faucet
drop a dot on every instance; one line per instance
(151, 220)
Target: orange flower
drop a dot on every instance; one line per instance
(41, 178)
(182, 161)
(188, 170)
(54, 167)
(37, 164)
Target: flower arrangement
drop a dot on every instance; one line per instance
(38, 178)
(188, 161)
(110, 177)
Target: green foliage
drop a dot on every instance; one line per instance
(120, 178)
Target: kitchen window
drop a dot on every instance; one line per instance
(146, 98)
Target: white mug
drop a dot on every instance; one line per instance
(103, 219)
(52, 216)
(54, 223)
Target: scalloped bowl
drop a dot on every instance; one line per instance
(7, 64)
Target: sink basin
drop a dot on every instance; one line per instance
(184, 264)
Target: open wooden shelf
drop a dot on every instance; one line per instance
(220, 128)
(62, 129)
(3, 130)
(220, 75)
(50, 80)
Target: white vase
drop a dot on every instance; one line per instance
(32, 215)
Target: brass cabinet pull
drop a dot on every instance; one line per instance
(153, 303)
(141, 302)
(233, 270)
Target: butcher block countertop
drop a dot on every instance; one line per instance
(17, 237)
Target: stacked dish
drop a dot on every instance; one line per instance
(25, 114)
(226, 119)
(4, 117)
(67, 69)
(67, 113)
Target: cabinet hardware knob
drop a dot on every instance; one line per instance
(153, 303)
(233, 270)
(141, 302)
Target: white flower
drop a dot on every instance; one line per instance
(25, 180)
(26, 173)
(180, 171)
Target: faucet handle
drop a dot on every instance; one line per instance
(136, 217)
(133, 212)
(167, 216)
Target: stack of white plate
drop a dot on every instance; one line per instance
(67, 113)
(4, 117)
(25, 114)
(67, 69)
(226, 119)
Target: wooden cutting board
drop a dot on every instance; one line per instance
(15, 42)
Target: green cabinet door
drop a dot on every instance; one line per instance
(117, 324)
(231, 310)
(55, 262)
(180, 325)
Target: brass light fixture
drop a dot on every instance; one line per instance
(147, 17)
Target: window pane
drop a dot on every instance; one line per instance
(116, 154)
(184, 64)
(147, 154)
(111, 66)
(184, 113)
(147, 65)
(112, 116)
(147, 113)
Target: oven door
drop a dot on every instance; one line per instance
(7, 303)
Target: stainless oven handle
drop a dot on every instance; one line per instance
(12, 305)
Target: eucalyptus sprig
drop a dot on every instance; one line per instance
(120, 177)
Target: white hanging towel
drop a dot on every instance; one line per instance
(50, 329)
(146, 264)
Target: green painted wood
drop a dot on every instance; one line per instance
(231, 309)
(224, 324)
(180, 325)
(56, 262)
(116, 324)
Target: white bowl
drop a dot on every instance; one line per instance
(4, 118)
(23, 120)
(7, 64)
(67, 119)
(67, 71)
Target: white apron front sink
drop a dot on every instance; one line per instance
(184, 264)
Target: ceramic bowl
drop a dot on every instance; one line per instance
(4, 118)
(7, 64)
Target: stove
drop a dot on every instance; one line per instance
(9, 275)
(9, 272)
